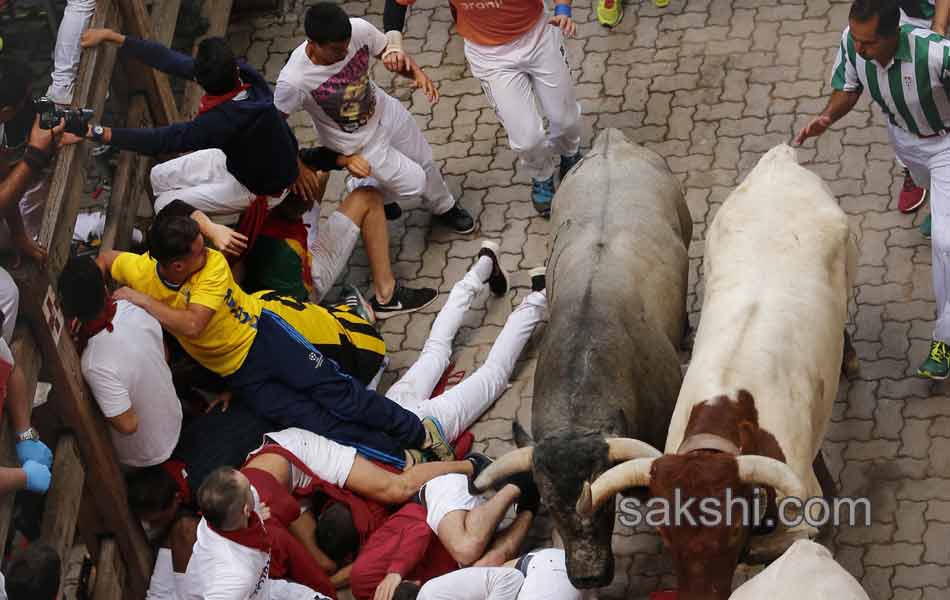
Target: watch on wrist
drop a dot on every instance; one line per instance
(29, 434)
(97, 132)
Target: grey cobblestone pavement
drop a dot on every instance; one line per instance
(710, 85)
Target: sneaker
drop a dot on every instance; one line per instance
(925, 228)
(542, 194)
(567, 162)
(404, 301)
(393, 211)
(498, 280)
(661, 3)
(538, 278)
(912, 195)
(457, 219)
(357, 304)
(937, 365)
(609, 12)
(530, 498)
(438, 444)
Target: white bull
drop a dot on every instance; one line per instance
(757, 396)
(806, 570)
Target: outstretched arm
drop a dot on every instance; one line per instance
(148, 52)
(838, 106)
(941, 17)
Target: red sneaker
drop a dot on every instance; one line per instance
(912, 196)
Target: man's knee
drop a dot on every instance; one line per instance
(465, 550)
(527, 140)
(360, 202)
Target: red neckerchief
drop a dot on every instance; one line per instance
(253, 536)
(103, 321)
(208, 101)
(368, 515)
(251, 222)
(179, 472)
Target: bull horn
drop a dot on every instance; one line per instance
(624, 449)
(516, 461)
(771, 472)
(633, 473)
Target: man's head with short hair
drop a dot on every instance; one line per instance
(328, 33)
(34, 574)
(874, 28)
(216, 68)
(15, 83)
(82, 289)
(336, 533)
(225, 499)
(154, 496)
(406, 590)
(176, 243)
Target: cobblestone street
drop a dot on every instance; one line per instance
(710, 85)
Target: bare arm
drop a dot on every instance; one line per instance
(126, 423)
(941, 17)
(188, 322)
(838, 106)
(105, 260)
(304, 529)
(341, 578)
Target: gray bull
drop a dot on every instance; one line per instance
(608, 373)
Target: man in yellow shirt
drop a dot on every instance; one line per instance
(278, 355)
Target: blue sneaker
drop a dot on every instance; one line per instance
(542, 193)
(569, 161)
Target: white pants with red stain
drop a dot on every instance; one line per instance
(458, 408)
(522, 76)
(928, 160)
(401, 161)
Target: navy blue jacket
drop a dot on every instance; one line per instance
(261, 148)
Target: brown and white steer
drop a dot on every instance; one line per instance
(757, 396)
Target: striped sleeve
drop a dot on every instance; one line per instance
(844, 75)
(945, 69)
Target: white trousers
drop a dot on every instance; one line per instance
(458, 408)
(522, 75)
(162, 585)
(9, 304)
(330, 250)
(202, 179)
(929, 162)
(66, 53)
(401, 160)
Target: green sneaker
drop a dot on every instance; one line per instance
(937, 365)
(925, 228)
(609, 12)
(436, 442)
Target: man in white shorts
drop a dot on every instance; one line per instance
(328, 75)
(518, 54)
(538, 575)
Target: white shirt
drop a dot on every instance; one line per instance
(474, 583)
(341, 98)
(126, 368)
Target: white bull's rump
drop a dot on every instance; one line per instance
(806, 570)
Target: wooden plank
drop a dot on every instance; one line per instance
(164, 18)
(218, 13)
(109, 575)
(61, 513)
(66, 187)
(160, 98)
(131, 177)
(74, 404)
(27, 357)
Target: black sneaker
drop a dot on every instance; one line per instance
(498, 280)
(538, 279)
(479, 462)
(404, 301)
(393, 211)
(457, 219)
(530, 498)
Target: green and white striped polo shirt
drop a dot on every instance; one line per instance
(910, 89)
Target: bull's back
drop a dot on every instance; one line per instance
(778, 268)
(617, 279)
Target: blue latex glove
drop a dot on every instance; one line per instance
(34, 450)
(37, 476)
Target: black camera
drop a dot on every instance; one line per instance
(77, 119)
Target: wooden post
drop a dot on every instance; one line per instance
(218, 13)
(160, 97)
(62, 501)
(109, 576)
(131, 179)
(164, 17)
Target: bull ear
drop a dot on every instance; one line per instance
(522, 438)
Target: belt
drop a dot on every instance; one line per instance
(940, 133)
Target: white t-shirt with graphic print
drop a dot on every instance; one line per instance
(341, 98)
